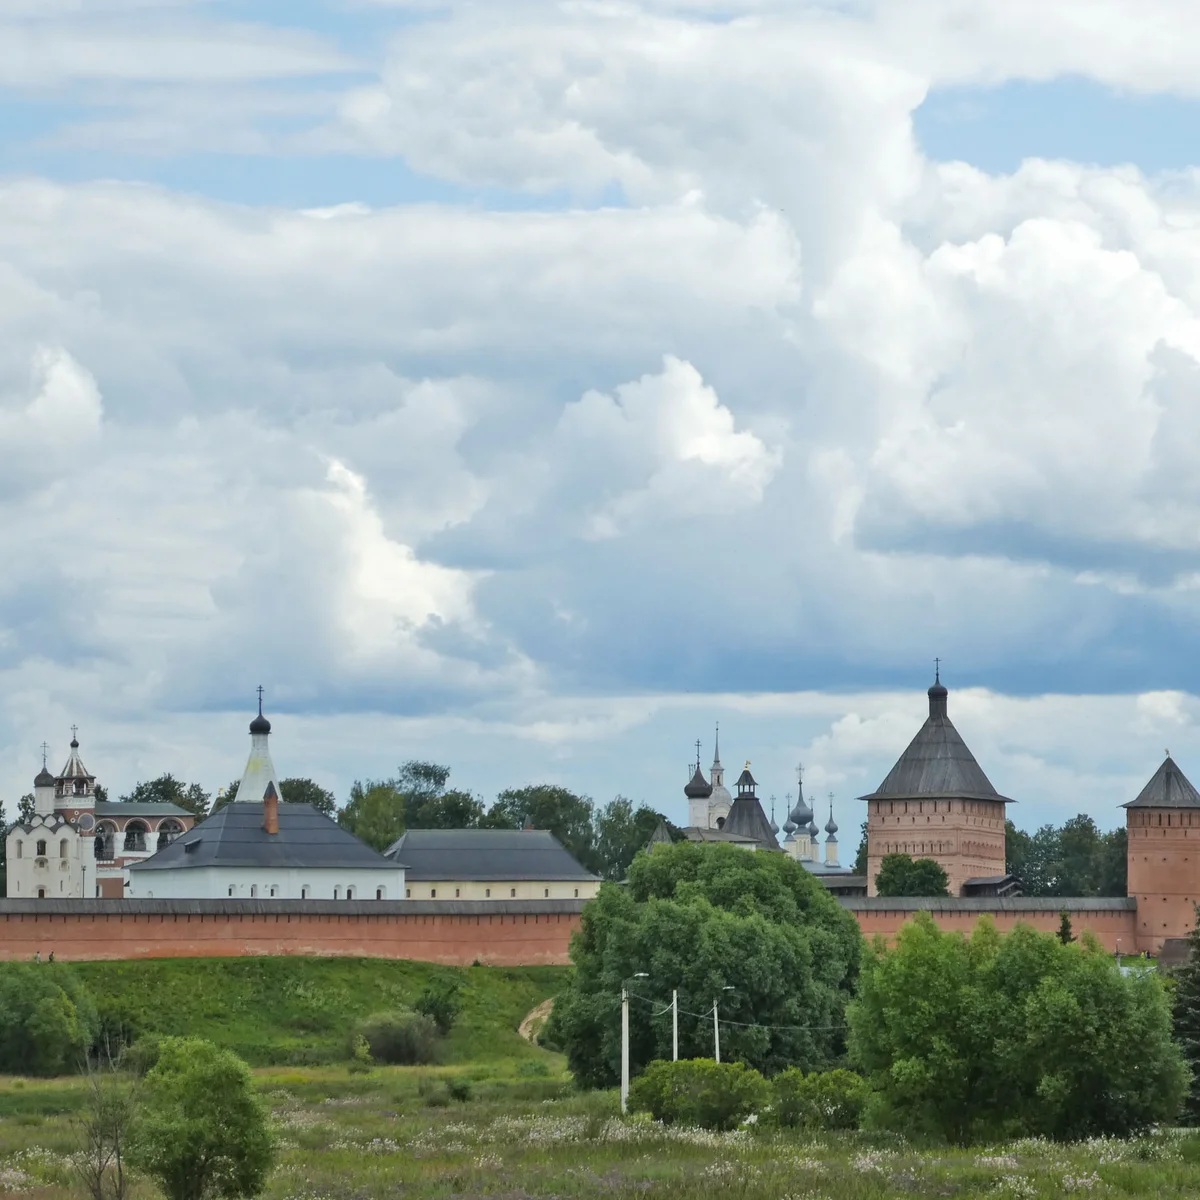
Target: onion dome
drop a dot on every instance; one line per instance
(801, 814)
(813, 830)
(774, 823)
(698, 788)
(831, 824)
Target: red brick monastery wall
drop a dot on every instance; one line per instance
(1108, 919)
(507, 934)
(504, 933)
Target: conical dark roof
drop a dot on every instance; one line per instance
(1169, 787)
(661, 835)
(747, 819)
(699, 788)
(937, 763)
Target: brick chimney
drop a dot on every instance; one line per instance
(271, 809)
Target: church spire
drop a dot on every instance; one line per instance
(260, 770)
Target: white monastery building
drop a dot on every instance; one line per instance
(260, 847)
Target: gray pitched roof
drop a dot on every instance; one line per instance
(699, 833)
(485, 854)
(936, 763)
(1169, 787)
(118, 808)
(747, 818)
(234, 837)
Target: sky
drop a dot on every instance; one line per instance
(528, 387)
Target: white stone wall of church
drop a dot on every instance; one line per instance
(247, 883)
(60, 877)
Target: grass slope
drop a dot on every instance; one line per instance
(300, 1010)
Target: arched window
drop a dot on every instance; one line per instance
(63, 848)
(350, 892)
(41, 849)
(274, 890)
(135, 836)
(20, 849)
(168, 831)
(304, 892)
(379, 893)
(337, 892)
(231, 889)
(254, 891)
(106, 841)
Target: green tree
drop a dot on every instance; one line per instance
(305, 791)
(993, 1036)
(166, 789)
(546, 806)
(860, 858)
(226, 795)
(101, 794)
(621, 831)
(202, 1131)
(25, 808)
(701, 919)
(1187, 1019)
(47, 1020)
(1066, 934)
(374, 812)
(1114, 863)
(1016, 850)
(903, 875)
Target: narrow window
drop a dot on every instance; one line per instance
(433, 893)
(254, 891)
(350, 893)
(379, 893)
(512, 892)
(546, 894)
(41, 849)
(576, 893)
(62, 849)
(304, 892)
(20, 849)
(487, 893)
(457, 893)
(337, 892)
(231, 889)
(274, 890)
(408, 893)
(41, 893)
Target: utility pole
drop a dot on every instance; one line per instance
(674, 1024)
(624, 1049)
(716, 1032)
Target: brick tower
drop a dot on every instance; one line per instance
(937, 803)
(1163, 860)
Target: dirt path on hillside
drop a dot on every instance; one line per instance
(534, 1020)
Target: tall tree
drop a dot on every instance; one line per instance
(25, 808)
(1114, 863)
(860, 858)
(305, 791)
(703, 919)
(546, 806)
(903, 875)
(166, 789)
(1016, 850)
(621, 831)
(374, 812)
(1187, 1020)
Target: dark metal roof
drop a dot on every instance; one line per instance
(485, 854)
(747, 818)
(745, 779)
(661, 835)
(43, 779)
(937, 763)
(698, 833)
(1169, 787)
(234, 837)
(118, 808)
(698, 788)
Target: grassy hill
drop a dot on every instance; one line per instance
(296, 1011)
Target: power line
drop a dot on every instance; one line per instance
(739, 1024)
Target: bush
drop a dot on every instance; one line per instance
(142, 1057)
(820, 1100)
(48, 1022)
(991, 1036)
(699, 1092)
(202, 1132)
(433, 1091)
(440, 1003)
(399, 1038)
(459, 1087)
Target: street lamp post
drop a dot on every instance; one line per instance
(674, 1024)
(625, 1041)
(717, 1027)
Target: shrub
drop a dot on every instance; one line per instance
(142, 1057)
(400, 1038)
(699, 1092)
(459, 1087)
(440, 1003)
(202, 1132)
(820, 1100)
(433, 1091)
(47, 1020)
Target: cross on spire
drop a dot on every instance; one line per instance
(937, 670)
(45, 751)
(74, 732)
(697, 754)
(800, 773)
(260, 696)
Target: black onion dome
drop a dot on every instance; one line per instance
(260, 724)
(698, 788)
(813, 830)
(43, 779)
(831, 825)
